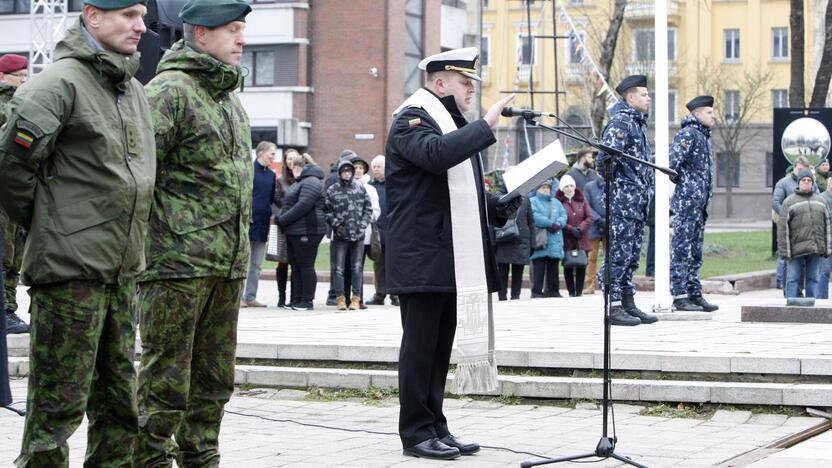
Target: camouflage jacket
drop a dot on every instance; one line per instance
(6, 93)
(348, 210)
(627, 131)
(77, 165)
(691, 157)
(202, 202)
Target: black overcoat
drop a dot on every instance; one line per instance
(419, 253)
(518, 251)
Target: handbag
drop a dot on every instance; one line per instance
(509, 232)
(541, 235)
(575, 258)
(276, 248)
(375, 244)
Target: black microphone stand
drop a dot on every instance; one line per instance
(606, 446)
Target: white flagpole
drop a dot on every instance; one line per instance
(663, 298)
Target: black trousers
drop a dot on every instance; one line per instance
(574, 278)
(302, 251)
(429, 324)
(545, 268)
(5, 390)
(516, 280)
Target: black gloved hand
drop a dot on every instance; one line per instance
(341, 232)
(602, 223)
(555, 227)
(507, 209)
(674, 178)
(576, 232)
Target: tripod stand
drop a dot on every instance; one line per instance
(606, 445)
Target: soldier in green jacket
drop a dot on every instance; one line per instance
(198, 246)
(76, 171)
(13, 73)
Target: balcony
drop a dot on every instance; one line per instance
(646, 9)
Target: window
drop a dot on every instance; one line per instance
(485, 51)
(526, 49)
(769, 175)
(644, 48)
(732, 44)
(779, 98)
(732, 105)
(671, 105)
(722, 166)
(14, 7)
(271, 66)
(779, 43)
(575, 55)
(484, 4)
(414, 25)
(576, 2)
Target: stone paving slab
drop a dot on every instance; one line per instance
(257, 440)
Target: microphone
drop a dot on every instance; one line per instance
(525, 113)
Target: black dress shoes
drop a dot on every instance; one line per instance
(464, 448)
(433, 449)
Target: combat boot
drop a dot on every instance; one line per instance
(341, 303)
(14, 324)
(629, 304)
(618, 316)
(701, 302)
(355, 303)
(684, 304)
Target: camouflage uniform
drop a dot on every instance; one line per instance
(633, 187)
(691, 157)
(76, 170)
(198, 251)
(14, 237)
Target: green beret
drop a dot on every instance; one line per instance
(113, 4)
(213, 13)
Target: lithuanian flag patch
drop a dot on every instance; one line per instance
(414, 122)
(24, 139)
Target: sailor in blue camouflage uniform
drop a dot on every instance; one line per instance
(633, 187)
(691, 156)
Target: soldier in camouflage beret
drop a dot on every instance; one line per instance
(691, 156)
(77, 168)
(198, 247)
(633, 187)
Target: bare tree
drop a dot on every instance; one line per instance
(821, 88)
(796, 87)
(605, 63)
(734, 129)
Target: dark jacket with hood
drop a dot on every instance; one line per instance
(517, 251)
(347, 207)
(302, 213)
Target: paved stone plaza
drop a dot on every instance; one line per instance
(555, 327)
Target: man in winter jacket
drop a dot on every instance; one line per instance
(263, 195)
(785, 187)
(594, 194)
(379, 270)
(348, 212)
(804, 235)
(198, 247)
(691, 156)
(77, 166)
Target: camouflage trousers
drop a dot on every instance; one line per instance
(625, 253)
(14, 238)
(81, 360)
(686, 253)
(189, 338)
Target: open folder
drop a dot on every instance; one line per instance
(529, 174)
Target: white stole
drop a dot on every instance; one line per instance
(476, 367)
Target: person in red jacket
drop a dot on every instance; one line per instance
(576, 232)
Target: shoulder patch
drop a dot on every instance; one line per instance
(620, 135)
(684, 144)
(414, 122)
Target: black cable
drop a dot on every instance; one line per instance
(365, 431)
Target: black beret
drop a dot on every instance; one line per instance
(213, 13)
(631, 81)
(113, 4)
(700, 101)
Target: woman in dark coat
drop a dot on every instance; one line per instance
(576, 232)
(513, 254)
(302, 219)
(284, 181)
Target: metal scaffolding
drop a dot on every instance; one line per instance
(47, 24)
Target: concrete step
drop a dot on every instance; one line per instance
(786, 394)
(670, 362)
